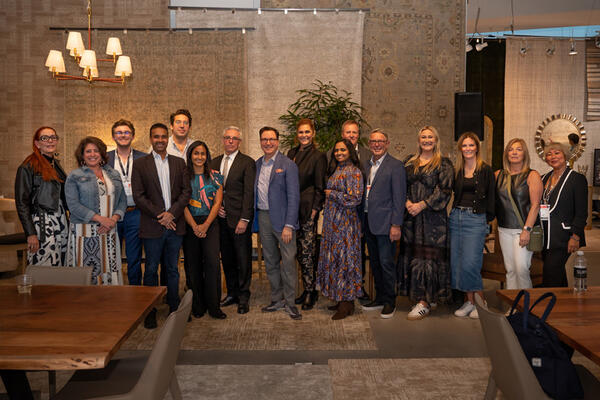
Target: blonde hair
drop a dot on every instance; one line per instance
(526, 159)
(556, 146)
(436, 160)
(460, 161)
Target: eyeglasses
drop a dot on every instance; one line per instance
(267, 140)
(234, 138)
(377, 141)
(53, 138)
(124, 133)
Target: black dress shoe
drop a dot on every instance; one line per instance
(229, 300)
(217, 314)
(365, 296)
(300, 299)
(150, 321)
(197, 314)
(243, 308)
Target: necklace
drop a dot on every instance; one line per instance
(550, 187)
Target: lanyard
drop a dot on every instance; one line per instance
(124, 170)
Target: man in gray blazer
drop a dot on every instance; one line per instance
(383, 213)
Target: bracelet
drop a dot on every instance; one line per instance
(574, 238)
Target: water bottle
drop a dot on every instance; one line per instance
(580, 273)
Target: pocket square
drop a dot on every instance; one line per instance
(279, 170)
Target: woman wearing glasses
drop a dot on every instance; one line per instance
(312, 170)
(40, 201)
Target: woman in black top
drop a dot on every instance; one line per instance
(473, 207)
(312, 170)
(563, 213)
(526, 192)
(40, 201)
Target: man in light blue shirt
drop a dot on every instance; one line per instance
(277, 194)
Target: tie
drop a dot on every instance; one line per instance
(225, 169)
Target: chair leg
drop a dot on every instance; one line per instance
(174, 388)
(492, 389)
(51, 383)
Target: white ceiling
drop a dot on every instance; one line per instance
(495, 15)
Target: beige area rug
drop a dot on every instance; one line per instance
(266, 331)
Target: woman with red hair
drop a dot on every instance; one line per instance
(40, 201)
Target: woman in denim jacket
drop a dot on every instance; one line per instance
(96, 200)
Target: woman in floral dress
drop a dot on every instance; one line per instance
(339, 272)
(424, 265)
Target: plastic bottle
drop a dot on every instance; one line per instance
(580, 273)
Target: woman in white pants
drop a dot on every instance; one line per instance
(524, 185)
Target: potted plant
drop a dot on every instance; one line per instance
(327, 107)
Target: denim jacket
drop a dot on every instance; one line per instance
(81, 191)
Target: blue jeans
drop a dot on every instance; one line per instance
(168, 245)
(383, 265)
(128, 230)
(467, 237)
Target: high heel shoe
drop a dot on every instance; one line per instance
(300, 299)
(310, 300)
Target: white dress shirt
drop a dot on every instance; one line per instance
(262, 188)
(162, 167)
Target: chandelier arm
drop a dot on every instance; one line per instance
(63, 77)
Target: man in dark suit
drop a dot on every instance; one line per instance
(351, 131)
(161, 190)
(277, 199)
(236, 212)
(383, 213)
(123, 133)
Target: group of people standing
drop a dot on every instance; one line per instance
(178, 196)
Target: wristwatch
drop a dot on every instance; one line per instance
(527, 228)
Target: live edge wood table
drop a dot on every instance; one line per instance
(575, 317)
(69, 327)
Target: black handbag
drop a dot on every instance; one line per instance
(550, 359)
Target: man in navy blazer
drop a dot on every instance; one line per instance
(277, 200)
(383, 210)
(123, 133)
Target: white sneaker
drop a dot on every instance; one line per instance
(419, 311)
(465, 309)
(474, 314)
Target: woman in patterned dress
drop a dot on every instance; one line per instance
(96, 200)
(40, 201)
(339, 273)
(201, 241)
(424, 265)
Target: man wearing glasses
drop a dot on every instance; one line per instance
(277, 200)
(383, 209)
(121, 159)
(236, 211)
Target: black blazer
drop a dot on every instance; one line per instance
(238, 192)
(568, 210)
(312, 171)
(485, 191)
(147, 194)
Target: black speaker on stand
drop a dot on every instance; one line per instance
(468, 113)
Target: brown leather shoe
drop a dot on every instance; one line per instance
(334, 307)
(345, 309)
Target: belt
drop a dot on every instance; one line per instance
(132, 208)
(464, 208)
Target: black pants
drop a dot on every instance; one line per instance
(236, 254)
(16, 384)
(554, 274)
(202, 256)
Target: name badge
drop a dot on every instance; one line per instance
(127, 187)
(544, 212)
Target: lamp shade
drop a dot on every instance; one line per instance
(75, 43)
(55, 61)
(88, 59)
(123, 66)
(113, 46)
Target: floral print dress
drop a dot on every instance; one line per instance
(339, 273)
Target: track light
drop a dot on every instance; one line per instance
(551, 48)
(481, 45)
(573, 51)
(523, 50)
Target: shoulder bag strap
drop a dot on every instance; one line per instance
(512, 201)
(549, 307)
